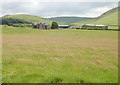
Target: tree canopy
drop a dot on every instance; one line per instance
(54, 25)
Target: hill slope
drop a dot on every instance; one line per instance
(24, 18)
(108, 18)
(70, 20)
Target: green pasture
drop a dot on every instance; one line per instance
(59, 56)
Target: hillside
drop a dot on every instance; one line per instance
(23, 18)
(108, 18)
(70, 20)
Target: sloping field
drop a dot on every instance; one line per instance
(27, 18)
(111, 19)
(108, 18)
(59, 56)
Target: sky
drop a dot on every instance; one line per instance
(55, 8)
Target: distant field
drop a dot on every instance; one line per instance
(59, 56)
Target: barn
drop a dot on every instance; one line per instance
(40, 25)
(63, 26)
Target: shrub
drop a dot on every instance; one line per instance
(54, 25)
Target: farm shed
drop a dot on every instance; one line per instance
(95, 27)
(63, 26)
(41, 25)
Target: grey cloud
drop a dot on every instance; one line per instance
(45, 9)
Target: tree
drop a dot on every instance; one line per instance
(54, 25)
(35, 26)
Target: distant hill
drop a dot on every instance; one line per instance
(23, 18)
(108, 18)
(70, 20)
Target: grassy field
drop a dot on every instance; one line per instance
(59, 56)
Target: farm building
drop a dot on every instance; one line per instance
(41, 25)
(63, 26)
(95, 27)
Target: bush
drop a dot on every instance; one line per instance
(34, 26)
(54, 25)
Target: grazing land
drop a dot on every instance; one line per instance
(59, 56)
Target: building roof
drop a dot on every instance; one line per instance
(40, 23)
(63, 25)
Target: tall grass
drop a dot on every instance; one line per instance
(59, 56)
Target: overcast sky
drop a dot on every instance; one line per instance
(54, 8)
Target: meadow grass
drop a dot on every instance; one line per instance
(59, 56)
(112, 27)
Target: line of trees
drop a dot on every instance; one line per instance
(15, 22)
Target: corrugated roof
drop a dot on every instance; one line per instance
(63, 25)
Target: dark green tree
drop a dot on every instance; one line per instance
(54, 25)
(35, 26)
